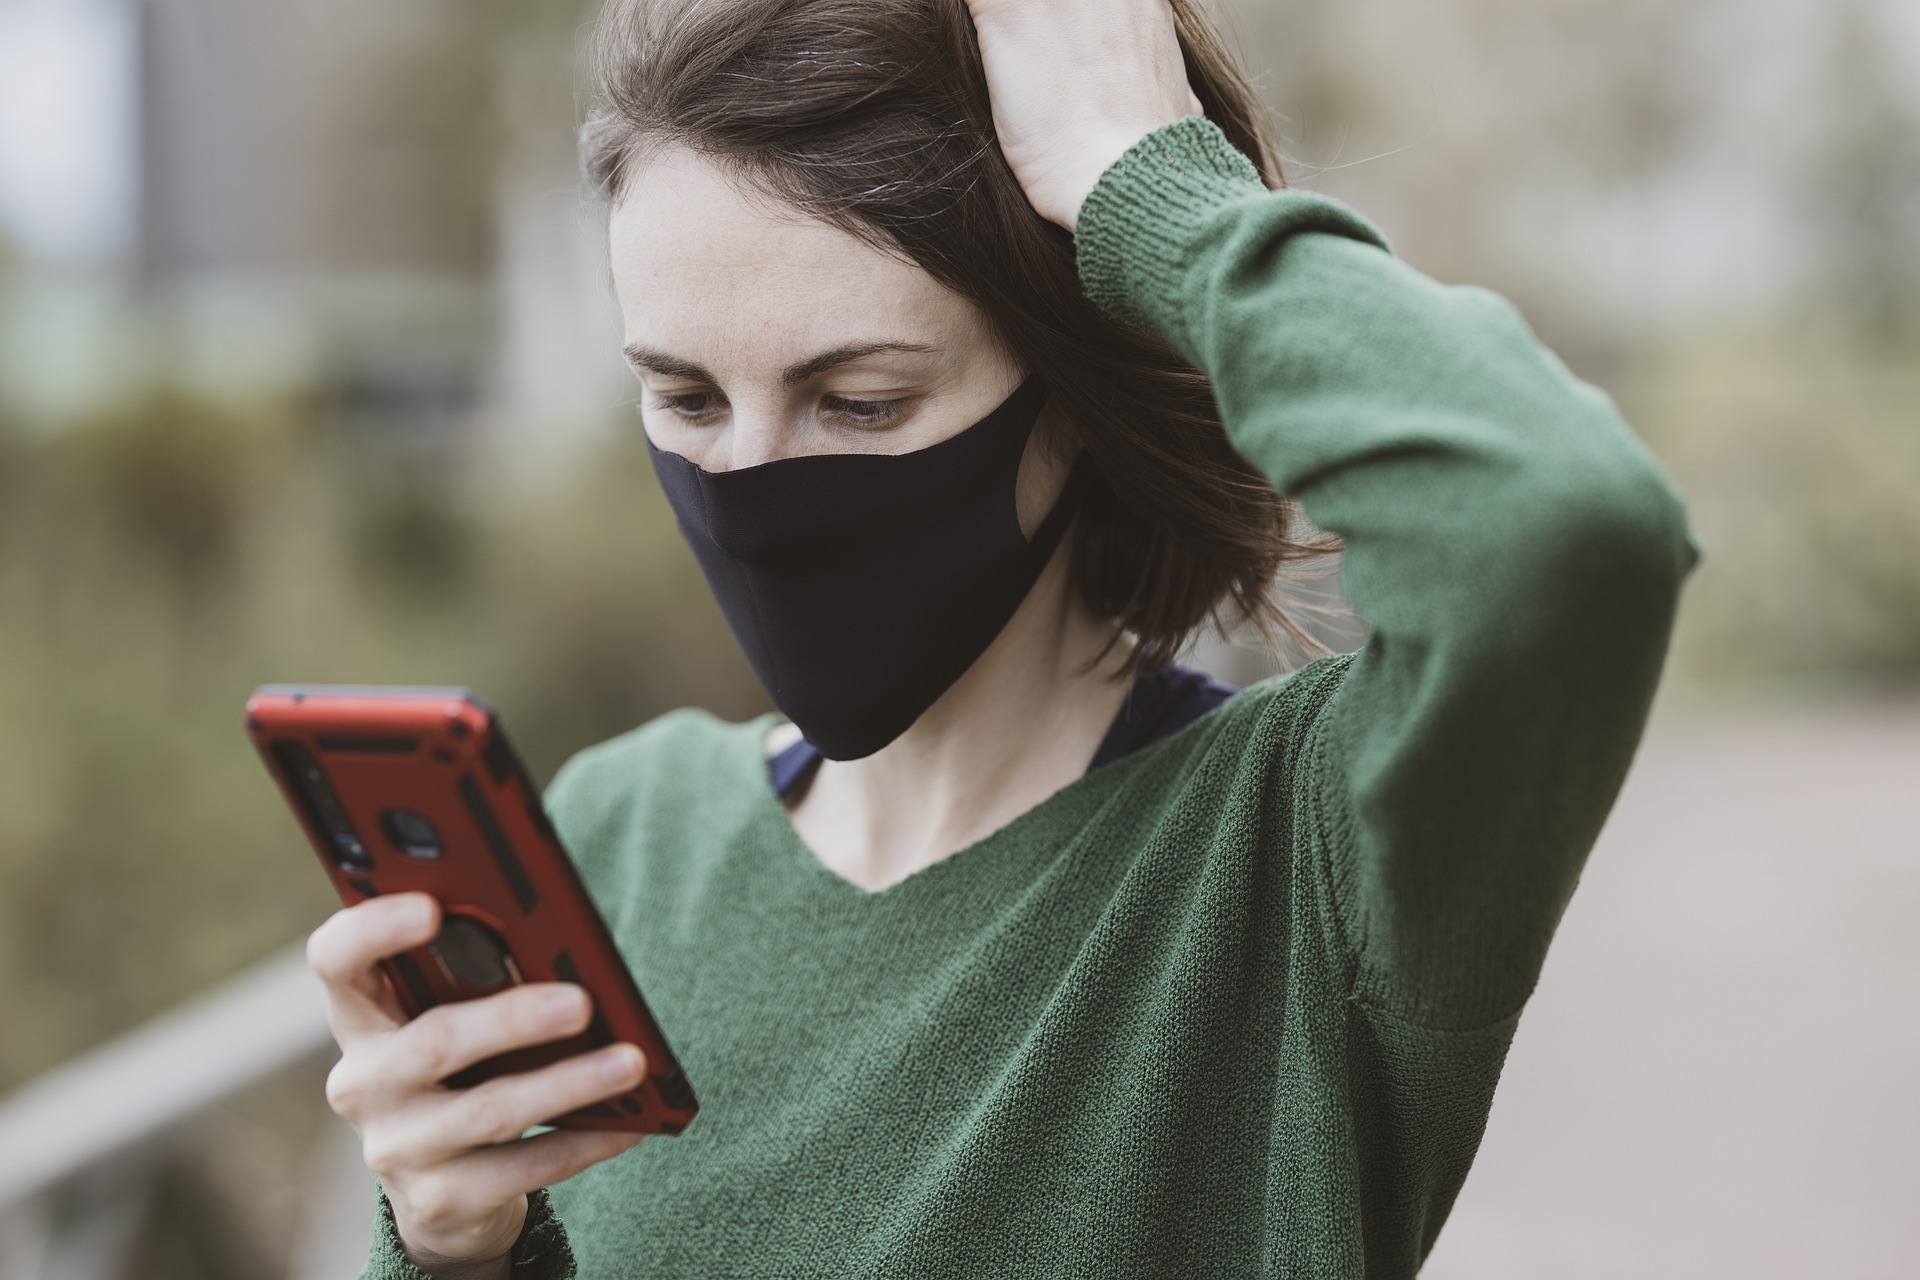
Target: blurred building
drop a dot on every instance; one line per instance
(361, 199)
(313, 200)
(380, 201)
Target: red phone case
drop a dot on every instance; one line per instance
(513, 908)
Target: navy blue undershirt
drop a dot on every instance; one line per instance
(1158, 705)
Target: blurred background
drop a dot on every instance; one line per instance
(309, 371)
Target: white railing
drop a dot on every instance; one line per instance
(81, 1146)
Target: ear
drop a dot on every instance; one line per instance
(1044, 466)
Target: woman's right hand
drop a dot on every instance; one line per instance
(452, 1161)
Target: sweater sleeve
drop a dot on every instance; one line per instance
(1511, 541)
(541, 1252)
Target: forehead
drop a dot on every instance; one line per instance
(701, 257)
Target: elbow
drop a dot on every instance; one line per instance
(1639, 523)
(1613, 550)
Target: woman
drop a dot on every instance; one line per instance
(1017, 952)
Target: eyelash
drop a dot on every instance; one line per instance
(692, 405)
(697, 406)
(867, 413)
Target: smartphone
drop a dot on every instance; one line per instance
(402, 789)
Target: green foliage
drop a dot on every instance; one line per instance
(1799, 454)
(161, 485)
(158, 562)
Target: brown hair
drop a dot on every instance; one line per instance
(872, 115)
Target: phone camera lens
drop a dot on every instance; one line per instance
(323, 807)
(411, 833)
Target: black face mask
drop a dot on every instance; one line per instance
(863, 585)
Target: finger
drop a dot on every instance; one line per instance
(345, 950)
(451, 1037)
(502, 1109)
(498, 1111)
(520, 1168)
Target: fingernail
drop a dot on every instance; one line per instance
(622, 1062)
(419, 912)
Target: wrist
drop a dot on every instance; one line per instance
(479, 1255)
(497, 1267)
(1098, 154)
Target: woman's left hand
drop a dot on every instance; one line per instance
(1075, 83)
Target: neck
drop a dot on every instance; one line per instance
(1022, 723)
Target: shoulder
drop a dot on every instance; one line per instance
(1275, 719)
(689, 733)
(667, 769)
(1257, 748)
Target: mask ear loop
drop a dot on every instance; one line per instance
(1065, 507)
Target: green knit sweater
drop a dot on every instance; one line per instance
(1233, 1005)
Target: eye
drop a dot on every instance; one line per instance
(694, 406)
(863, 413)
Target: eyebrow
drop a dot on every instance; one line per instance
(672, 366)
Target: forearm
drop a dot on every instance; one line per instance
(541, 1252)
(1513, 545)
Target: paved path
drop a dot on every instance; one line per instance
(1720, 1072)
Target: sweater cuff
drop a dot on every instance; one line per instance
(1167, 199)
(541, 1252)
